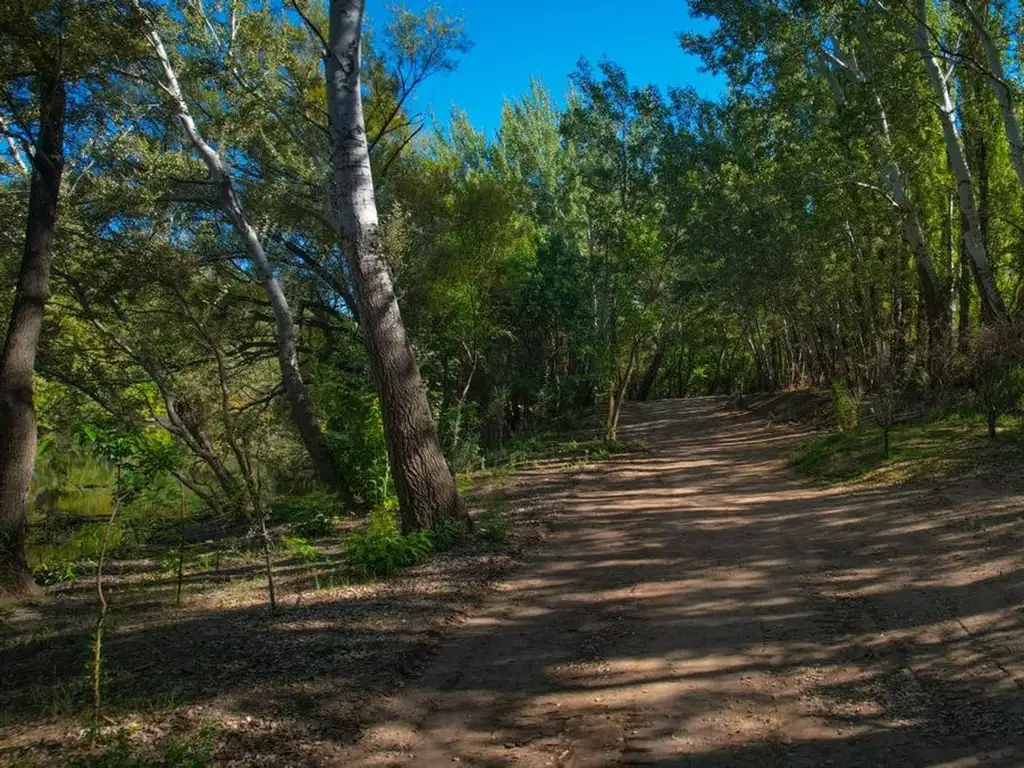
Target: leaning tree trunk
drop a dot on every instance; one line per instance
(996, 77)
(17, 362)
(425, 487)
(284, 327)
(992, 303)
(895, 178)
(643, 390)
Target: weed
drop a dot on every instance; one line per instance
(493, 524)
(65, 699)
(844, 407)
(446, 534)
(193, 750)
(118, 750)
(52, 572)
(311, 516)
(382, 549)
(300, 549)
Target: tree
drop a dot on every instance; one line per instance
(426, 489)
(49, 50)
(17, 361)
(230, 203)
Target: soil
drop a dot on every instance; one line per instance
(797, 406)
(694, 605)
(702, 606)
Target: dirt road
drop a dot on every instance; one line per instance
(700, 605)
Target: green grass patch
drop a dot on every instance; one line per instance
(122, 750)
(916, 450)
(551, 445)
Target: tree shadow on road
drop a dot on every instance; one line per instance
(698, 605)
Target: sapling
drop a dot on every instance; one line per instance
(181, 549)
(117, 451)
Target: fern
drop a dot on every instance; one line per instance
(382, 549)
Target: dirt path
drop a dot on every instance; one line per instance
(700, 605)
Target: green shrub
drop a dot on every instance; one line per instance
(844, 407)
(446, 534)
(54, 572)
(311, 516)
(492, 524)
(301, 549)
(461, 435)
(382, 549)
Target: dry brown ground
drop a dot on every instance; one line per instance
(702, 606)
(697, 605)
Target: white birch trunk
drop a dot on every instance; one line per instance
(896, 180)
(996, 77)
(974, 239)
(284, 327)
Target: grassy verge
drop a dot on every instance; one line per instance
(558, 446)
(950, 446)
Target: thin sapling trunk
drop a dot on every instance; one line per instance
(97, 639)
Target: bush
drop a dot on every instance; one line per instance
(844, 407)
(382, 549)
(53, 572)
(998, 372)
(492, 524)
(446, 534)
(311, 516)
(301, 549)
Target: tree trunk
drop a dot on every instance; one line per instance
(284, 326)
(425, 487)
(963, 336)
(997, 80)
(643, 390)
(17, 362)
(974, 239)
(913, 232)
(619, 388)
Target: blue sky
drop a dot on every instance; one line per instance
(513, 41)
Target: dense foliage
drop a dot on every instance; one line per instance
(846, 217)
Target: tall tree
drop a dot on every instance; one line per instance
(52, 62)
(974, 236)
(426, 489)
(230, 203)
(17, 361)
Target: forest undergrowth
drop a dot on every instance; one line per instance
(190, 634)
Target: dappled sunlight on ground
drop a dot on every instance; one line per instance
(697, 604)
(703, 606)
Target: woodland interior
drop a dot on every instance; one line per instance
(662, 424)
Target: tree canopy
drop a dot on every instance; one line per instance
(233, 242)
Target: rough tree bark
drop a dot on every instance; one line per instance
(425, 487)
(17, 361)
(284, 326)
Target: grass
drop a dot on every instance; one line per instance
(122, 749)
(919, 450)
(552, 445)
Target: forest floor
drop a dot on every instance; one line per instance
(703, 605)
(698, 604)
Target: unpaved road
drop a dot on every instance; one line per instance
(700, 605)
